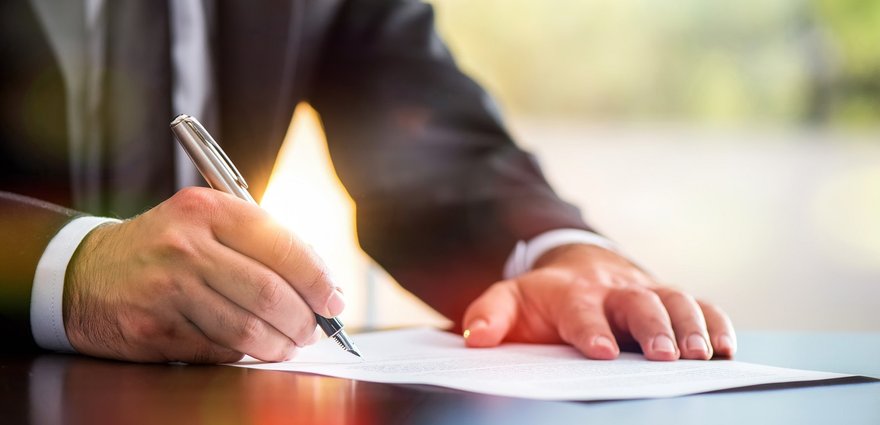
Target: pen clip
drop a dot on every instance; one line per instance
(217, 150)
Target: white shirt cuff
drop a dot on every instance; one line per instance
(47, 319)
(525, 254)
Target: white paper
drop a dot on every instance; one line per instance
(547, 372)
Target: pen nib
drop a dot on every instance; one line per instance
(346, 344)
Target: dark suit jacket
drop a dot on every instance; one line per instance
(442, 192)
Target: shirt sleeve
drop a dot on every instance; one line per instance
(47, 321)
(525, 254)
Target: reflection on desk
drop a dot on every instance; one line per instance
(82, 390)
(49, 389)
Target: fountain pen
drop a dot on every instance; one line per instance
(221, 174)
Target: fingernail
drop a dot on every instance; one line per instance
(604, 342)
(696, 342)
(726, 343)
(336, 304)
(663, 344)
(476, 325)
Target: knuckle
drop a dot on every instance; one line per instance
(194, 201)
(193, 196)
(305, 331)
(635, 292)
(578, 334)
(248, 331)
(593, 277)
(204, 353)
(636, 274)
(655, 323)
(317, 283)
(290, 254)
(230, 356)
(652, 296)
(287, 351)
(582, 306)
(584, 297)
(269, 294)
(316, 289)
(283, 248)
(675, 297)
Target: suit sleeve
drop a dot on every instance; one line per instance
(442, 192)
(26, 225)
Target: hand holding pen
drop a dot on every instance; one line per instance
(203, 277)
(221, 174)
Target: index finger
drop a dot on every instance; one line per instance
(251, 231)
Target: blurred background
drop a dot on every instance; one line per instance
(733, 148)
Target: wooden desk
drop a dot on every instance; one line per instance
(50, 389)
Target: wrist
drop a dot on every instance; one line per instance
(592, 261)
(570, 254)
(83, 271)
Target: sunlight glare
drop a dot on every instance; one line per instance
(305, 195)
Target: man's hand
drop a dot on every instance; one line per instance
(203, 277)
(597, 301)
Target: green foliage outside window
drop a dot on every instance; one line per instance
(746, 62)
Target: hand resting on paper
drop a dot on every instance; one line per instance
(597, 301)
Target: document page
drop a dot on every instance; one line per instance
(548, 372)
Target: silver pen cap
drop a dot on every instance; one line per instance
(209, 158)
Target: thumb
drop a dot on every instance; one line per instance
(490, 317)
